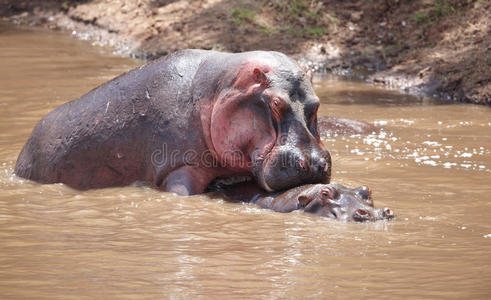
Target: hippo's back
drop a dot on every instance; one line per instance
(101, 139)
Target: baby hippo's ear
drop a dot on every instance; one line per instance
(310, 74)
(307, 199)
(260, 77)
(304, 200)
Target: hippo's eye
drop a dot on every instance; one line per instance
(276, 103)
(328, 193)
(277, 107)
(365, 194)
(311, 117)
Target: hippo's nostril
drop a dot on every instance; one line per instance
(320, 165)
(388, 213)
(302, 164)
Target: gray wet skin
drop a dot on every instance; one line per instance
(333, 201)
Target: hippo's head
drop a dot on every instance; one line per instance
(264, 122)
(338, 202)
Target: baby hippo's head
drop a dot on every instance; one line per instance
(339, 202)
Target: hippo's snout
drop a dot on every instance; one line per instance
(289, 166)
(370, 214)
(364, 210)
(321, 164)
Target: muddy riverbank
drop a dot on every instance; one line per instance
(436, 48)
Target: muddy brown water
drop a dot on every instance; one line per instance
(431, 163)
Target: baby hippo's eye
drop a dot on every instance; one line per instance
(328, 192)
(364, 192)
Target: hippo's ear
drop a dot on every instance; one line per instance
(310, 74)
(259, 77)
(304, 200)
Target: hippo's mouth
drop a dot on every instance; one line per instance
(256, 175)
(259, 174)
(233, 179)
(258, 165)
(222, 183)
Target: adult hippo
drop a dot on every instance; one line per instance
(182, 121)
(333, 201)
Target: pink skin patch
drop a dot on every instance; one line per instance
(241, 124)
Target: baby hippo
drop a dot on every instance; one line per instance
(328, 200)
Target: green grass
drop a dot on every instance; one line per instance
(264, 29)
(443, 8)
(301, 17)
(315, 31)
(298, 18)
(64, 5)
(419, 17)
(439, 10)
(243, 15)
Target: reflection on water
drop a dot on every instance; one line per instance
(430, 163)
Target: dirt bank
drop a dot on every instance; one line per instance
(441, 48)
